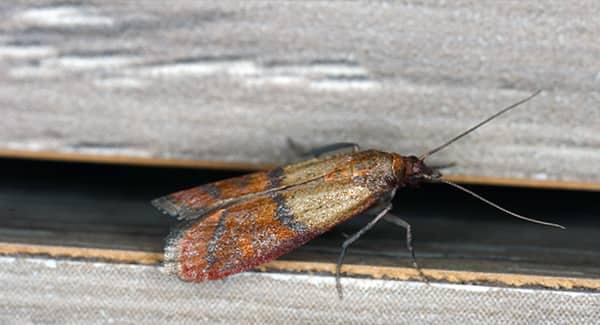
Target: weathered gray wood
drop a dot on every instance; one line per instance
(232, 81)
(55, 291)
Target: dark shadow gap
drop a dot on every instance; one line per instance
(107, 206)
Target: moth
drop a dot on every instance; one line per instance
(233, 225)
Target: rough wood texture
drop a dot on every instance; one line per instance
(231, 81)
(99, 292)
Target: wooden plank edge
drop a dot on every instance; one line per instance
(110, 255)
(129, 160)
(436, 275)
(521, 182)
(376, 272)
(240, 166)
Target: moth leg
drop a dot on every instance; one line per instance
(338, 147)
(349, 241)
(402, 223)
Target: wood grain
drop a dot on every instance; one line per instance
(230, 82)
(84, 292)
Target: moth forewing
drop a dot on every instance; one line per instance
(197, 201)
(261, 227)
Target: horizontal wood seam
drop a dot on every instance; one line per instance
(377, 272)
(225, 165)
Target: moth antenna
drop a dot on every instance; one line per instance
(504, 110)
(494, 204)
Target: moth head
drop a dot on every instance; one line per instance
(413, 171)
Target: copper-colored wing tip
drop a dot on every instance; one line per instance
(166, 206)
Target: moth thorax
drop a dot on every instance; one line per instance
(399, 168)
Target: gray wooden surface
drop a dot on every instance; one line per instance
(86, 292)
(231, 81)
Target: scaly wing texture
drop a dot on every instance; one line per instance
(248, 233)
(198, 201)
